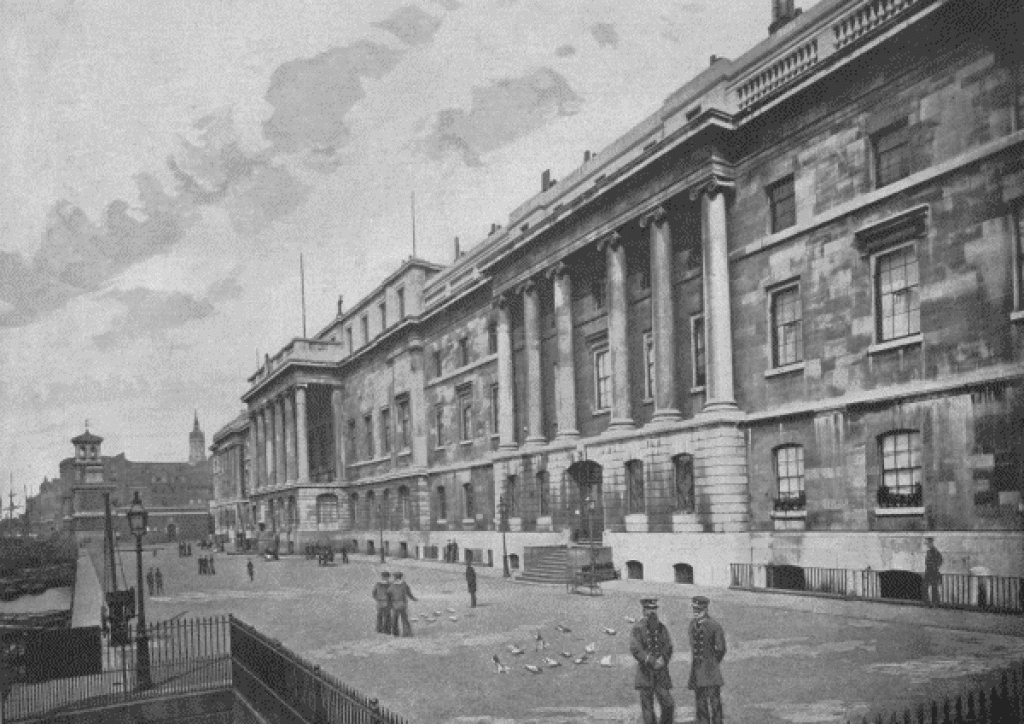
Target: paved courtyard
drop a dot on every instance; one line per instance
(791, 659)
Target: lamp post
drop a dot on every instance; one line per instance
(503, 515)
(137, 519)
(591, 506)
(380, 520)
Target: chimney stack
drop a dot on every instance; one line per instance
(341, 305)
(586, 156)
(545, 180)
(457, 252)
(782, 13)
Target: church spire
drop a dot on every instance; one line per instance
(196, 442)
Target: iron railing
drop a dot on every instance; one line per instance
(284, 687)
(998, 594)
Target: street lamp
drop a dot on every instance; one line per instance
(591, 506)
(380, 520)
(503, 515)
(137, 519)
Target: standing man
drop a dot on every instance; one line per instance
(159, 577)
(382, 595)
(651, 646)
(149, 580)
(471, 582)
(400, 594)
(251, 568)
(932, 577)
(707, 641)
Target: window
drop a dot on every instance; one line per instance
(787, 326)
(400, 295)
(383, 316)
(466, 414)
(685, 497)
(789, 475)
(348, 338)
(635, 486)
(598, 287)
(365, 322)
(463, 351)
(467, 497)
(403, 422)
(1018, 261)
(892, 153)
(439, 424)
(602, 379)
(901, 470)
(368, 428)
(543, 493)
(495, 409)
(511, 497)
(404, 507)
(350, 440)
(492, 338)
(385, 508)
(385, 431)
(699, 357)
(437, 362)
(442, 503)
(782, 204)
(648, 366)
(897, 299)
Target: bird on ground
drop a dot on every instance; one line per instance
(531, 668)
(453, 618)
(607, 660)
(563, 628)
(437, 613)
(580, 659)
(566, 655)
(552, 663)
(590, 648)
(630, 619)
(451, 610)
(610, 631)
(515, 650)
(501, 668)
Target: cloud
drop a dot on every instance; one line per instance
(148, 312)
(564, 51)
(604, 34)
(411, 25)
(500, 113)
(311, 96)
(270, 193)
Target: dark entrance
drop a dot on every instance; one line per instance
(587, 509)
(172, 531)
(905, 585)
(790, 578)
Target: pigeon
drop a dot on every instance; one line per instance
(610, 631)
(590, 648)
(566, 655)
(563, 629)
(630, 619)
(607, 661)
(501, 668)
(515, 650)
(531, 668)
(552, 663)
(437, 613)
(580, 659)
(453, 618)
(451, 610)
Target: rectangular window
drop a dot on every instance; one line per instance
(492, 338)
(368, 428)
(495, 410)
(682, 466)
(698, 356)
(437, 362)
(787, 326)
(467, 496)
(602, 379)
(463, 351)
(404, 438)
(635, 486)
(897, 298)
(648, 366)
(901, 470)
(892, 153)
(782, 203)
(543, 492)
(365, 322)
(442, 503)
(348, 338)
(511, 499)
(351, 440)
(385, 431)
(383, 316)
(439, 424)
(789, 475)
(465, 415)
(1018, 258)
(400, 294)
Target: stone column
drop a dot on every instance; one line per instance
(618, 341)
(269, 446)
(339, 435)
(565, 373)
(256, 430)
(663, 317)
(301, 436)
(506, 398)
(288, 405)
(717, 303)
(534, 389)
(281, 470)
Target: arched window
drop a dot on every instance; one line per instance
(385, 508)
(683, 488)
(683, 572)
(789, 476)
(371, 509)
(635, 486)
(353, 506)
(900, 452)
(635, 570)
(511, 496)
(404, 508)
(544, 492)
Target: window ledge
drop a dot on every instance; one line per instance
(605, 411)
(697, 390)
(882, 512)
(404, 452)
(896, 343)
(1017, 315)
(785, 370)
(374, 461)
(463, 443)
(789, 514)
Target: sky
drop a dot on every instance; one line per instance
(164, 164)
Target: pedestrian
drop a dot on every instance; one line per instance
(252, 570)
(455, 552)
(202, 565)
(707, 642)
(932, 577)
(382, 595)
(149, 580)
(213, 568)
(344, 553)
(400, 594)
(651, 646)
(159, 582)
(471, 582)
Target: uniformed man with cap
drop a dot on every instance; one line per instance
(382, 595)
(707, 641)
(651, 646)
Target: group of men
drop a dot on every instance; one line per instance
(155, 581)
(206, 566)
(392, 595)
(651, 646)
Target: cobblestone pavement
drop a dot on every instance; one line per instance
(790, 659)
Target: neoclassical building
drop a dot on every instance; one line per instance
(779, 321)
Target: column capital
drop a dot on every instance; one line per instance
(656, 216)
(712, 186)
(503, 300)
(529, 286)
(558, 270)
(611, 240)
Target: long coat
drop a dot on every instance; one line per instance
(707, 643)
(471, 579)
(647, 645)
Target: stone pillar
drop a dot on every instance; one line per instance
(301, 436)
(618, 341)
(288, 405)
(663, 317)
(717, 302)
(271, 449)
(534, 388)
(339, 435)
(723, 495)
(565, 373)
(506, 398)
(281, 470)
(256, 430)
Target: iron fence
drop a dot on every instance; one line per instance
(997, 594)
(284, 687)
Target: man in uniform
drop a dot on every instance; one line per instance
(401, 594)
(707, 641)
(932, 577)
(382, 595)
(651, 646)
(471, 582)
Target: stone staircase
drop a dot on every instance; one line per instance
(552, 567)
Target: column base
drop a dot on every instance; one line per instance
(621, 423)
(665, 416)
(535, 442)
(568, 435)
(721, 410)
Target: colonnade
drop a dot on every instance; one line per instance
(281, 450)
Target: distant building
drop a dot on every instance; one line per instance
(229, 463)
(44, 509)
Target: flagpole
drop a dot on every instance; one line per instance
(414, 224)
(302, 283)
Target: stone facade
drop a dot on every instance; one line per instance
(779, 321)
